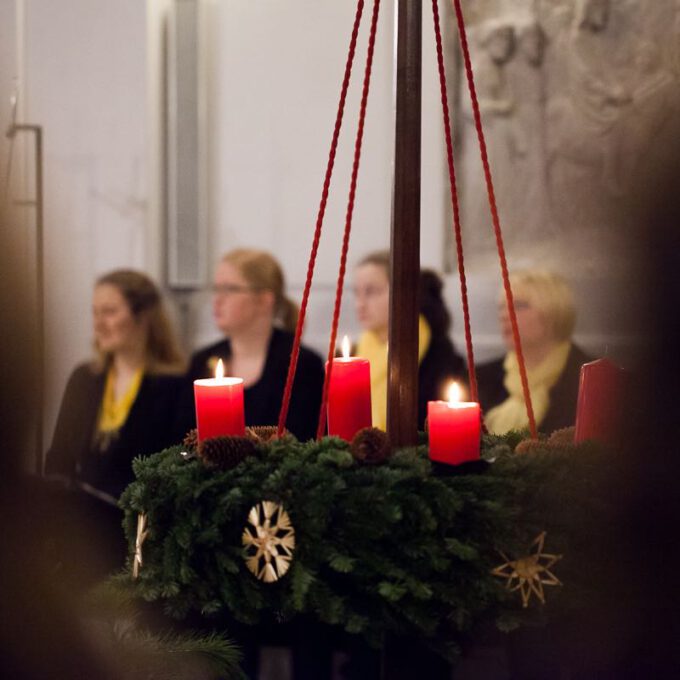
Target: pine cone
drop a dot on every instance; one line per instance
(191, 440)
(531, 446)
(371, 446)
(262, 434)
(563, 437)
(225, 453)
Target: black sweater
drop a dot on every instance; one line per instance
(263, 399)
(152, 425)
(440, 366)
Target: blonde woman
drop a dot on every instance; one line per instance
(123, 403)
(546, 317)
(258, 321)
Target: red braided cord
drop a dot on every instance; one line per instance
(454, 202)
(494, 216)
(348, 219)
(295, 352)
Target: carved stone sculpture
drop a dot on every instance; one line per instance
(574, 94)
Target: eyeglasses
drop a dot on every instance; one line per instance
(520, 306)
(232, 289)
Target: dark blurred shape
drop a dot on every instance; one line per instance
(40, 636)
(654, 427)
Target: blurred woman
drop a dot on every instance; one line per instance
(439, 363)
(258, 320)
(546, 316)
(122, 404)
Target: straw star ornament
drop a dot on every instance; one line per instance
(269, 541)
(142, 533)
(529, 574)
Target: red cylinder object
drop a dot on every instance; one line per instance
(349, 397)
(219, 407)
(454, 431)
(600, 402)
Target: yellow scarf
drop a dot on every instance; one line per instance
(512, 413)
(113, 414)
(372, 348)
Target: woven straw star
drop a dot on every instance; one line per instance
(529, 574)
(142, 533)
(269, 541)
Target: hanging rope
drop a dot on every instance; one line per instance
(348, 218)
(454, 203)
(494, 216)
(295, 352)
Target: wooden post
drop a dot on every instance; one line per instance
(402, 396)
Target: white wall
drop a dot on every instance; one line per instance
(85, 83)
(91, 72)
(276, 75)
(92, 78)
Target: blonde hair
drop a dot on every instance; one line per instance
(551, 295)
(163, 353)
(263, 272)
(378, 258)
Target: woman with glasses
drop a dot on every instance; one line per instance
(546, 316)
(258, 321)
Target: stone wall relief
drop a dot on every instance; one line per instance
(492, 46)
(507, 60)
(573, 94)
(592, 15)
(581, 114)
(601, 124)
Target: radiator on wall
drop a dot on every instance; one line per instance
(186, 160)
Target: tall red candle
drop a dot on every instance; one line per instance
(454, 429)
(219, 406)
(600, 402)
(349, 395)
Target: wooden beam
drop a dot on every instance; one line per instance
(402, 397)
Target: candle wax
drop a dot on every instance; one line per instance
(600, 401)
(349, 397)
(219, 407)
(454, 431)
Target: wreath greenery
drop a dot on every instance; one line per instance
(397, 547)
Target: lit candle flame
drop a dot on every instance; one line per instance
(454, 393)
(345, 347)
(219, 370)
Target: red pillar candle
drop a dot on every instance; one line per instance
(349, 395)
(219, 406)
(454, 429)
(600, 402)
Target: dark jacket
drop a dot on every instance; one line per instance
(151, 426)
(563, 395)
(263, 399)
(440, 366)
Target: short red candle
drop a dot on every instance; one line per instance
(349, 397)
(600, 402)
(219, 407)
(454, 431)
